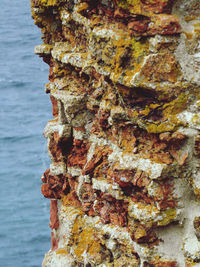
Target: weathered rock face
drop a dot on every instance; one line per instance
(124, 141)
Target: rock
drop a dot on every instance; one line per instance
(54, 221)
(54, 242)
(159, 24)
(124, 178)
(54, 186)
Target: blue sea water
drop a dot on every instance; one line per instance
(24, 111)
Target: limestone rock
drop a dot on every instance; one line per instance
(124, 141)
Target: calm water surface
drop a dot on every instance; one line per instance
(24, 111)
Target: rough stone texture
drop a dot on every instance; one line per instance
(124, 141)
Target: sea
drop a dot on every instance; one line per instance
(24, 112)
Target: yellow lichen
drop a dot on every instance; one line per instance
(160, 128)
(136, 51)
(82, 6)
(151, 214)
(168, 215)
(197, 32)
(188, 35)
(197, 192)
(190, 263)
(145, 111)
(62, 251)
(170, 110)
(196, 119)
(136, 6)
(189, 18)
(196, 28)
(139, 48)
(196, 24)
(175, 106)
(85, 239)
(50, 2)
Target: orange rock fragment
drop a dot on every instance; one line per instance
(46, 191)
(162, 24)
(54, 221)
(140, 233)
(78, 154)
(55, 106)
(54, 242)
(54, 186)
(138, 27)
(161, 264)
(157, 6)
(100, 155)
(161, 67)
(179, 156)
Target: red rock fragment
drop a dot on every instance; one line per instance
(161, 67)
(45, 176)
(121, 14)
(88, 198)
(78, 153)
(54, 221)
(183, 159)
(164, 204)
(73, 183)
(162, 24)
(110, 210)
(55, 106)
(178, 136)
(165, 136)
(136, 177)
(93, 163)
(59, 147)
(103, 119)
(46, 191)
(156, 6)
(54, 242)
(100, 154)
(161, 264)
(54, 186)
(138, 26)
(159, 146)
(55, 149)
(143, 180)
(165, 191)
(142, 196)
(118, 219)
(140, 233)
(179, 156)
(105, 214)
